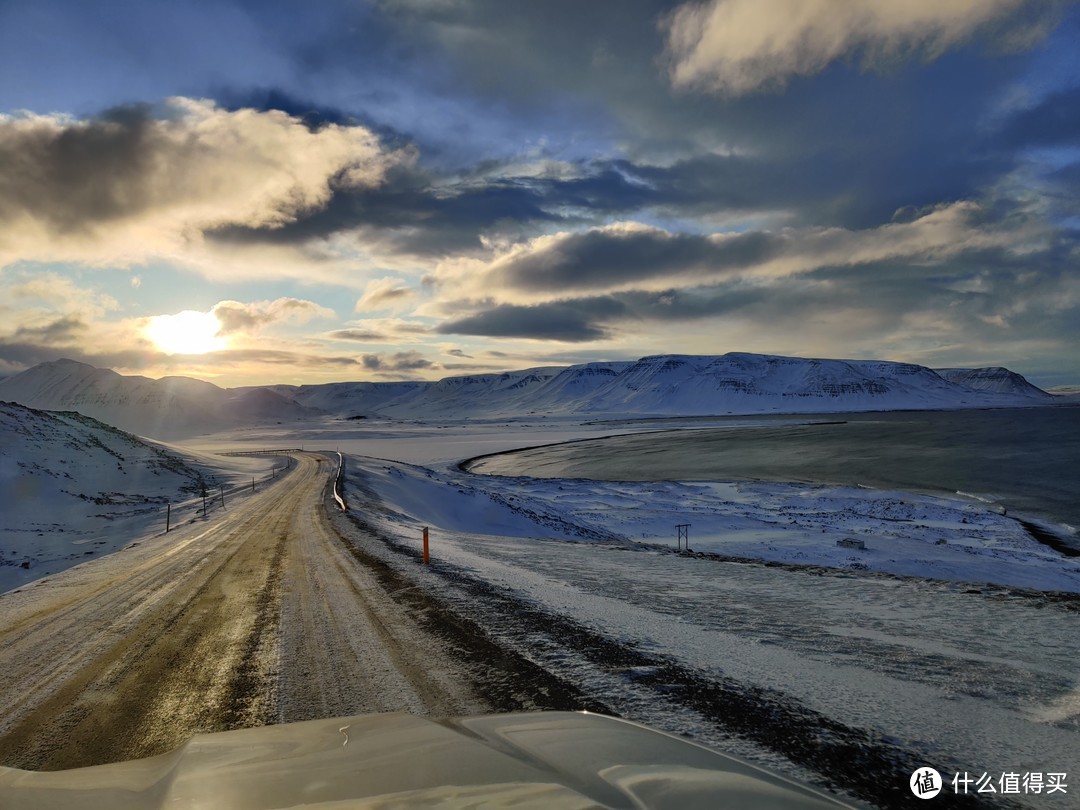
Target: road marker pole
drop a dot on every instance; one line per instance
(222, 489)
(168, 514)
(425, 546)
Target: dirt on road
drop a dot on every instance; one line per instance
(256, 615)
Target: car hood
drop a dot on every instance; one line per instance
(545, 759)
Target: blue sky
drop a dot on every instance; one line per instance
(389, 189)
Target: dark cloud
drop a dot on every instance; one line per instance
(571, 321)
(75, 176)
(597, 259)
(410, 212)
(397, 362)
(458, 353)
(63, 330)
(360, 335)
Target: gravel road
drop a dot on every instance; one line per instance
(255, 615)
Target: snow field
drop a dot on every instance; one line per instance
(976, 678)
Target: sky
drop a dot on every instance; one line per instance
(269, 191)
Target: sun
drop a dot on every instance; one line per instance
(187, 332)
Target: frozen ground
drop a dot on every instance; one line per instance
(796, 666)
(903, 533)
(846, 666)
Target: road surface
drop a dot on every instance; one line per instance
(255, 615)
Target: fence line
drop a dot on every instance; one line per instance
(213, 499)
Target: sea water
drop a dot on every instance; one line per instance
(1025, 459)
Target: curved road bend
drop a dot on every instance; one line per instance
(254, 616)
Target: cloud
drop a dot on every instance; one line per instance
(384, 293)
(569, 321)
(633, 256)
(388, 365)
(251, 317)
(129, 185)
(380, 330)
(734, 47)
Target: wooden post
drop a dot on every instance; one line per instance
(168, 515)
(222, 490)
(204, 502)
(425, 546)
(253, 483)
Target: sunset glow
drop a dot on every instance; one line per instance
(187, 332)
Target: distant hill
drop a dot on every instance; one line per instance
(169, 407)
(661, 385)
(997, 379)
(685, 385)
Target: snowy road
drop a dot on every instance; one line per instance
(250, 617)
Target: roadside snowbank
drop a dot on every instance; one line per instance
(903, 533)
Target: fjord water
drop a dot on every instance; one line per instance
(1026, 459)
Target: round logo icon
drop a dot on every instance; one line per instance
(925, 783)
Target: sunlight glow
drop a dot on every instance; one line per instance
(187, 332)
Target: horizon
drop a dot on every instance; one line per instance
(508, 370)
(406, 190)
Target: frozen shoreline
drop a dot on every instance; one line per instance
(903, 533)
(1054, 534)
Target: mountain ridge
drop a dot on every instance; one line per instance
(654, 385)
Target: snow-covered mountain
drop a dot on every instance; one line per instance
(691, 385)
(996, 379)
(169, 407)
(661, 385)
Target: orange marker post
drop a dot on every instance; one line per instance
(425, 546)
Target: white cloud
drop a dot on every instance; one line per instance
(735, 47)
(130, 187)
(631, 256)
(385, 294)
(235, 316)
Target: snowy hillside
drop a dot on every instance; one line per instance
(691, 385)
(65, 479)
(662, 385)
(997, 379)
(171, 406)
(73, 488)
